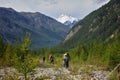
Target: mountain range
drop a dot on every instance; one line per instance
(45, 31)
(102, 24)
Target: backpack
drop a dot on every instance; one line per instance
(51, 57)
(67, 59)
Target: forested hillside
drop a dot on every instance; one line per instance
(100, 25)
(95, 39)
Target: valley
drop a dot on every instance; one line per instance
(89, 50)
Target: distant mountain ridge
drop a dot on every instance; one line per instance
(100, 25)
(45, 31)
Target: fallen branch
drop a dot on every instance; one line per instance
(112, 71)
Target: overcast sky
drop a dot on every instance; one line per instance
(54, 8)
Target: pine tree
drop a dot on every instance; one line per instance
(25, 62)
(8, 55)
(115, 53)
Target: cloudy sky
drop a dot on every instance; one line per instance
(54, 8)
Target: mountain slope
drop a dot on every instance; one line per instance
(102, 24)
(45, 31)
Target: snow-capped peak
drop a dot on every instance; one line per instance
(63, 18)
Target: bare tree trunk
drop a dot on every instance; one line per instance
(118, 72)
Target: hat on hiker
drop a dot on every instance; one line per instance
(65, 54)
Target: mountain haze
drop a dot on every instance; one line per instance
(45, 31)
(100, 25)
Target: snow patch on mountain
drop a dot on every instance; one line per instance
(63, 18)
(67, 20)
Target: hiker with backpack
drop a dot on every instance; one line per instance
(66, 58)
(51, 58)
(43, 58)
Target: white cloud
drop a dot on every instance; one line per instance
(54, 8)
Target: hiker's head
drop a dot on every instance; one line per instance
(67, 53)
(64, 55)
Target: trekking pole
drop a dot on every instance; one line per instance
(112, 71)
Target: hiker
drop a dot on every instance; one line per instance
(43, 58)
(51, 58)
(118, 73)
(66, 58)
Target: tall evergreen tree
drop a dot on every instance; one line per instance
(25, 62)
